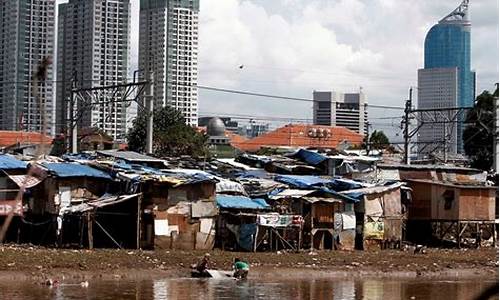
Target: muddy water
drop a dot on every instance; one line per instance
(250, 289)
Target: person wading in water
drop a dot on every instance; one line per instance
(240, 268)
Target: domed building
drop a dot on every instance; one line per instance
(216, 131)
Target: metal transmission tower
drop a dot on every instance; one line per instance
(83, 100)
(448, 117)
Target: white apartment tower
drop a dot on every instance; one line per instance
(341, 109)
(168, 47)
(26, 39)
(438, 88)
(93, 49)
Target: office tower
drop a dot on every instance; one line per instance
(446, 79)
(93, 49)
(341, 109)
(168, 46)
(26, 39)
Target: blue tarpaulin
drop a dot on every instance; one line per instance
(240, 202)
(74, 170)
(246, 236)
(302, 181)
(8, 162)
(310, 157)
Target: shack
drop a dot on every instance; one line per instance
(380, 216)
(329, 219)
(64, 185)
(443, 210)
(15, 185)
(250, 225)
(11, 170)
(178, 205)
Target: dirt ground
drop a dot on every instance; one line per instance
(38, 262)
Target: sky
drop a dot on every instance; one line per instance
(293, 47)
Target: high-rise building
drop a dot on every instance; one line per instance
(93, 49)
(338, 109)
(447, 79)
(168, 46)
(26, 40)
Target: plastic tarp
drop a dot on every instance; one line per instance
(374, 230)
(74, 170)
(277, 220)
(310, 157)
(104, 201)
(229, 186)
(246, 236)
(241, 202)
(8, 162)
(348, 220)
(302, 181)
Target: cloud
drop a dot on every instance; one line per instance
(292, 47)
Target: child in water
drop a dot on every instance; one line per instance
(240, 269)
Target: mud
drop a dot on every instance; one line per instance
(26, 262)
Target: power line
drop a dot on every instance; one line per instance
(247, 93)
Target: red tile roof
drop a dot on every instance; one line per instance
(299, 135)
(10, 138)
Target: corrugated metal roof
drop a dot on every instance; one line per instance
(427, 167)
(8, 162)
(74, 170)
(241, 202)
(454, 184)
(130, 156)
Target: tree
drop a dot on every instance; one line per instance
(478, 137)
(171, 136)
(378, 140)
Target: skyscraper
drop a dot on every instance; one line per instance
(93, 49)
(168, 46)
(26, 39)
(447, 80)
(339, 109)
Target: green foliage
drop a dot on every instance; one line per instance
(478, 137)
(59, 146)
(378, 140)
(171, 136)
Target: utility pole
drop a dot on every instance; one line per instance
(73, 108)
(445, 146)
(368, 138)
(495, 132)
(149, 106)
(406, 128)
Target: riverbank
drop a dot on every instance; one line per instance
(25, 262)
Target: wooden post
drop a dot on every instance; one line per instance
(312, 228)
(494, 231)
(255, 239)
(299, 246)
(5, 226)
(458, 234)
(90, 231)
(138, 233)
(478, 236)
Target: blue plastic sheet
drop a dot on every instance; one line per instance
(8, 162)
(241, 202)
(247, 235)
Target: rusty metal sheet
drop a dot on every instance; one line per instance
(25, 181)
(393, 229)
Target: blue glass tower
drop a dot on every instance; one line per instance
(447, 45)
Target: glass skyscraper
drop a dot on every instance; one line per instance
(448, 49)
